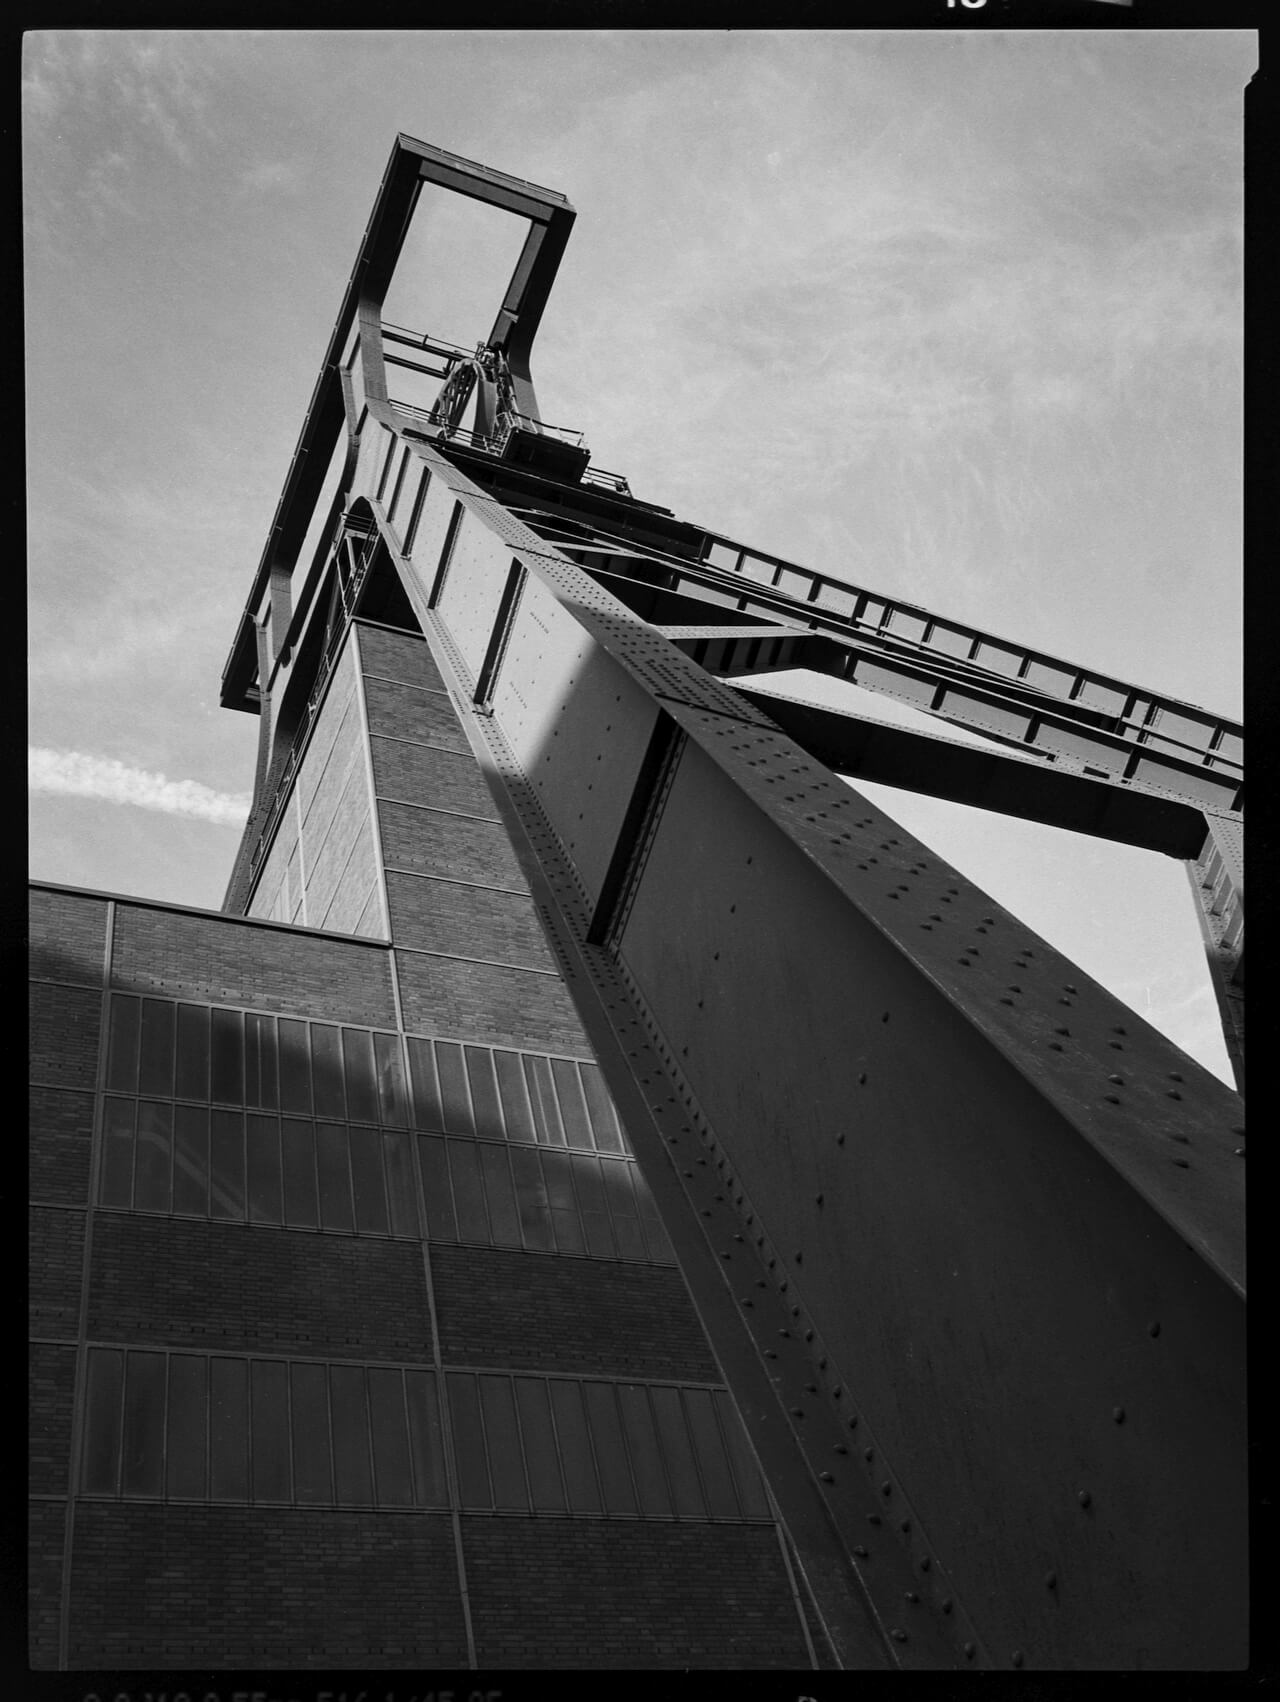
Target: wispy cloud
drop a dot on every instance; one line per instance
(283, 176)
(75, 774)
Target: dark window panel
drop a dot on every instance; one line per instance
(142, 1454)
(454, 1100)
(655, 1235)
(722, 1503)
(252, 1060)
(531, 1199)
(269, 1382)
(301, 1200)
(390, 1439)
(540, 1453)
(390, 1072)
(517, 1117)
(468, 1192)
(366, 1174)
(191, 1160)
(558, 1175)
(357, 1061)
(295, 1066)
(226, 1055)
(751, 1493)
(122, 1046)
(504, 1221)
(326, 1071)
(100, 1460)
(575, 1446)
(229, 1430)
(312, 1470)
(153, 1161)
(426, 1441)
(426, 1088)
(186, 1468)
(617, 1179)
(546, 1116)
(260, 1061)
(484, 1092)
(591, 1201)
(677, 1450)
(226, 1164)
(642, 1442)
(116, 1187)
(193, 1052)
(599, 1235)
(351, 1465)
(573, 1107)
(402, 1194)
(437, 1197)
(266, 1194)
(611, 1453)
(155, 1052)
(570, 1232)
(468, 1440)
(604, 1123)
(503, 1436)
(335, 1177)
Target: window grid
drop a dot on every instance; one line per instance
(137, 1443)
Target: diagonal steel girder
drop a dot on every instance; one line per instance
(965, 1233)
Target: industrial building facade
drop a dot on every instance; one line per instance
(601, 1194)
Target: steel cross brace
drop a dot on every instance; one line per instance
(1001, 1215)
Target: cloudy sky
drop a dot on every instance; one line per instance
(955, 315)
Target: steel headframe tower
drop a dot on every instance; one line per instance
(966, 1234)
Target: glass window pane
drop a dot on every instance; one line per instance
(505, 1462)
(604, 1124)
(390, 1070)
(591, 1201)
(515, 1097)
(611, 1454)
(295, 1066)
(575, 1446)
(252, 1060)
(301, 1201)
(426, 1089)
(573, 1108)
(188, 1427)
(142, 1455)
(193, 1052)
(229, 1430)
(226, 1164)
(266, 1203)
(468, 1196)
(155, 1054)
(326, 1071)
(531, 1198)
(191, 1160)
(484, 1092)
(153, 1162)
(546, 1116)
(390, 1439)
(268, 1085)
(116, 1188)
(226, 1056)
(454, 1101)
(436, 1194)
(503, 1219)
(709, 1446)
(401, 1192)
(751, 1492)
(539, 1444)
(357, 1059)
(335, 1177)
(366, 1173)
(655, 1235)
(100, 1462)
(468, 1440)
(617, 1179)
(122, 1048)
(677, 1450)
(646, 1462)
(351, 1466)
(270, 1393)
(425, 1439)
(312, 1472)
(565, 1216)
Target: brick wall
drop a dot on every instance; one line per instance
(422, 774)
(614, 1594)
(397, 656)
(51, 1387)
(61, 1131)
(248, 1587)
(472, 921)
(68, 935)
(63, 1034)
(546, 1312)
(46, 1531)
(55, 1246)
(431, 842)
(489, 1003)
(405, 712)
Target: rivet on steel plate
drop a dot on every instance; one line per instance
(869, 1454)
(1051, 1580)
(968, 1651)
(924, 1563)
(905, 1525)
(862, 1079)
(822, 1364)
(898, 1636)
(886, 1488)
(799, 1258)
(745, 1301)
(860, 1551)
(769, 1353)
(818, 1198)
(784, 1332)
(839, 1140)
(1062, 1031)
(761, 1283)
(797, 1412)
(1239, 1152)
(1118, 1080)
(812, 1388)
(1084, 1498)
(1174, 1076)
(1117, 1414)
(1055, 1046)
(1153, 1328)
(808, 1335)
(946, 1604)
(1174, 1094)
(1118, 1030)
(840, 1448)
(912, 1596)
(1017, 1657)
(1111, 1099)
(873, 1518)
